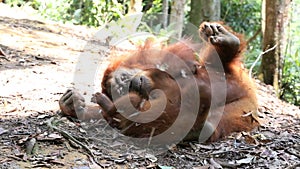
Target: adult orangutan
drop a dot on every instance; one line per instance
(144, 91)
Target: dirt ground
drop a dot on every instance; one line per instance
(38, 64)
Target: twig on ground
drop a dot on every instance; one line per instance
(257, 59)
(295, 166)
(15, 158)
(292, 153)
(42, 165)
(70, 137)
(151, 135)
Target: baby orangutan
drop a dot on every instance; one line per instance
(145, 92)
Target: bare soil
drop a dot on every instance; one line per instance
(37, 65)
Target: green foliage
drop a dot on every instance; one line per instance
(54, 10)
(291, 77)
(83, 12)
(245, 17)
(156, 7)
(15, 3)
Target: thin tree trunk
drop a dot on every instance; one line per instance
(274, 21)
(165, 9)
(283, 20)
(204, 10)
(268, 65)
(177, 16)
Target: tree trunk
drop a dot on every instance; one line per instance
(177, 16)
(283, 21)
(274, 13)
(268, 65)
(165, 9)
(204, 10)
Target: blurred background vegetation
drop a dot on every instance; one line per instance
(243, 16)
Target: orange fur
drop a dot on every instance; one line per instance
(240, 98)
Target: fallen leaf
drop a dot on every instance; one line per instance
(245, 160)
(42, 116)
(214, 163)
(21, 141)
(151, 157)
(165, 167)
(2, 131)
(55, 136)
(119, 160)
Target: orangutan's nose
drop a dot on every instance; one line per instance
(140, 84)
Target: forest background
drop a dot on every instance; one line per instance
(268, 25)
